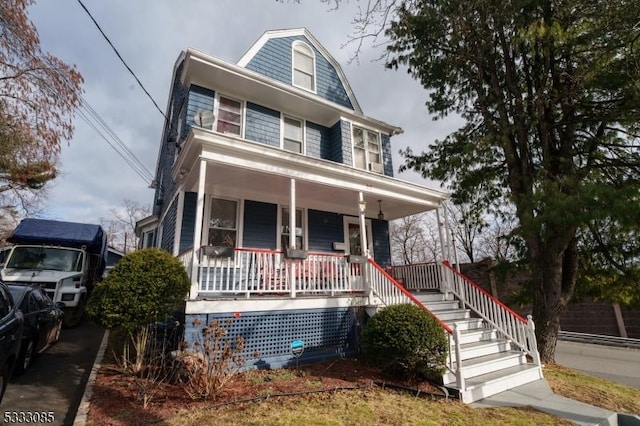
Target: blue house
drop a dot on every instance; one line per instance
(276, 191)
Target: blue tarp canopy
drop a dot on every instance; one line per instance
(56, 233)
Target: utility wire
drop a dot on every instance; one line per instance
(120, 147)
(122, 60)
(91, 116)
(88, 118)
(123, 147)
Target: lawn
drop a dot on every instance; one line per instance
(341, 392)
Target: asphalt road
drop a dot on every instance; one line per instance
(57, 379)
(620, 365)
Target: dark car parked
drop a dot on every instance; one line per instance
(42, 322)
(11, 323)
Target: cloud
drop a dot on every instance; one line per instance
(150, 34)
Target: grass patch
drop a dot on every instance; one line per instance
(371, 406)
(593, 390)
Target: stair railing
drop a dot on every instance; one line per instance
(391, 292)
(509, 324)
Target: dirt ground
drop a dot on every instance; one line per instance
(118, 398)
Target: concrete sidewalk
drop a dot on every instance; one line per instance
(538, 395)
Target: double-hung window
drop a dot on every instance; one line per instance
(304, 67)
(229, 116)
(293, 135)
(223, 223)
(285, 230)
(366, 150)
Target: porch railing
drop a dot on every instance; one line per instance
(258, 271)
(421, 276)
(512, 326)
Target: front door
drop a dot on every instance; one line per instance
(353, 245)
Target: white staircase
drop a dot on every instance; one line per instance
(489, 362)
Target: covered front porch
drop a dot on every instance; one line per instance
(299, 219)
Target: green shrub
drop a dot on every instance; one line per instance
(145, 286)
(407, 342)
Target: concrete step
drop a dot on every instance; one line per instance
(447, 315)
(482, 348)
(442, 305)
(477, 335)
(487, 364)
(433, 297)
(485, 385)
(466, 323)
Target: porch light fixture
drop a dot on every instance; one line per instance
(380, 214)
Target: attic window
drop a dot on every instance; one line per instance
(304, 66)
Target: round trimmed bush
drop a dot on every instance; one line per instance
(407, 342)
(145, 286)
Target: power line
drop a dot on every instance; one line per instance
(89, 116)
(121, 59)
(123, 147)
(120, 147)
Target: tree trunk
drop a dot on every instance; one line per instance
(554, 282)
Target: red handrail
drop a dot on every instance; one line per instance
(408, 294)
(508, 309)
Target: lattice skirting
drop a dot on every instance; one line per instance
(326, 333)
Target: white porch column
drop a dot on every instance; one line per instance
(292, 232)
(362, 208)
(197, 232)
(448, 231)
(441, 234)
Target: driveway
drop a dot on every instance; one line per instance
(57, 379)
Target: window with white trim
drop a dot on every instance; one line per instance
(285, 229)
(223, 223)
(229, 116)
(366, 150)
(304, 66)
(293, 135)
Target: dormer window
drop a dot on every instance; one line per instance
(304, 66)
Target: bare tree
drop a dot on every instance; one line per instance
(467, 223)
(414, 239)
(120, 227)
(38, 95)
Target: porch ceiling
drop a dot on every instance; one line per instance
(243, 169)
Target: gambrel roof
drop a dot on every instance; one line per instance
(271, 56)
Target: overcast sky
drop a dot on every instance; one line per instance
(149, 35)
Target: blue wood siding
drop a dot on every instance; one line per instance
(262, 125)
(199, 99)
(325, 228)
(345, 146)
(188, 221)
(381, 247)
(260, 225)
(274, 61)
(386, 155)
(335, 135)
(164, 183)
(319, 141)
(169, 227)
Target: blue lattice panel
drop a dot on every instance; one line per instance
(327, 333)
